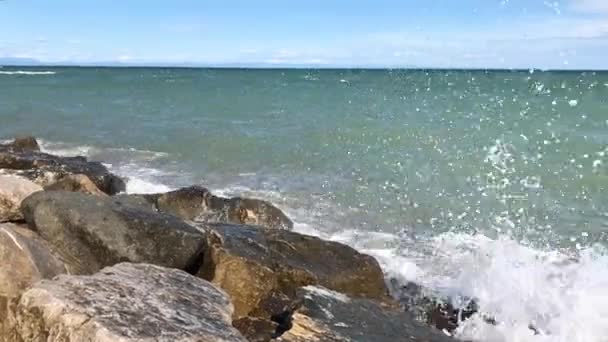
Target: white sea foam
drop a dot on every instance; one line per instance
(30, 73)
(64, 150)
(137, 185)
(562, 296)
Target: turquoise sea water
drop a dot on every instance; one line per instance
(479, 183)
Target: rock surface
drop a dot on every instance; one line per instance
(255, 265)
(429, 307)
(198, 204)
(75, 183)
(22, 158)
(22, 144)
(139, 201)
(327, 316)
(92, 232)
(256, 329)
(124, 303)
(13, 190)
(25, 259)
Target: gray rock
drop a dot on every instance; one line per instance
(198, 204)
(428, 306)
(139, 201)
(328, 316)
(124, 303)
(75, 183)
(22, 144)
(91, 232)
(44, 169)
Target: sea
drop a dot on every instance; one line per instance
(479, 184)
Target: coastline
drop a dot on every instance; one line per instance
(242, 246)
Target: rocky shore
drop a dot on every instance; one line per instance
(82, 261)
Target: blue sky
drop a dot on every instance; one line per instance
(562, 34)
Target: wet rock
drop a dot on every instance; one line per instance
(91, 232)
(25, 259)
(328, 316)
(22, 144)
(75, 183)
(44, 169)
(186, 203)
(256, 329)
(13, 190)
(139, 201)
(127, 302)
(431, 308)
(256, 212)
(253, 264)
(198, 204)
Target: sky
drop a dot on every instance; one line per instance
(545, 34)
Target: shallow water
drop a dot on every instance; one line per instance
(483, 184)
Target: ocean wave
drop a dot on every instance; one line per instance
(139, 185)
(71, 150)
(563, 296)
(64, 149)
(31, 73)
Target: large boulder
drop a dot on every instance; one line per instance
(45, 169)
(75, 183)
(91, 232)
(260, 268)
(13, 190)
(126, 303)
(22, 144)
(137, 200)
(198, 204)
(25, 259)
(328, 316)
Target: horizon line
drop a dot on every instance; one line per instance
(258, 66)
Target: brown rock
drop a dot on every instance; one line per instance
(75, 183)
(25, 259)
(256, 212)
(252, 264)
(13, 190)
(256, 329)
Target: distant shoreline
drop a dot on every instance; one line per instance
(287, 68)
